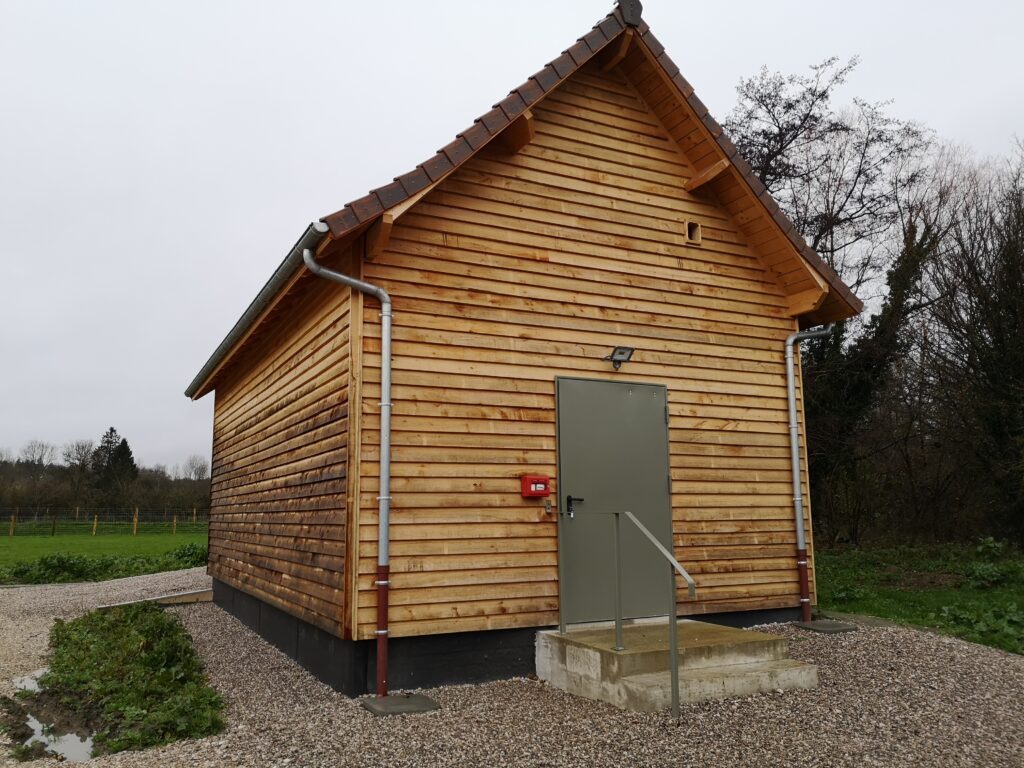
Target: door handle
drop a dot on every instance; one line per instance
(569, 502)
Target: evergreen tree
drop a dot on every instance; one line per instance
(103, 456)
(114, 467)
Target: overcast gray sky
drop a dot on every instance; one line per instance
(158, 159)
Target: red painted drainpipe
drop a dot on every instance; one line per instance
(383, 582)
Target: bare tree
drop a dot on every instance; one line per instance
(980, 360)
(78, 453)
(196, 468)
(38, 452)
(77, 456)
(838, 173)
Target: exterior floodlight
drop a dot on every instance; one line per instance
(619, 356)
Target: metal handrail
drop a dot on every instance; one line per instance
(673, 628)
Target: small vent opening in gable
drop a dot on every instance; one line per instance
(693, 234)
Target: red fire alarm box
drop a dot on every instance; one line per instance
(535, 485)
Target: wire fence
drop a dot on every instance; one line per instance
(49, 521)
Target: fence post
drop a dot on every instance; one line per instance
(53, 523)
(95, 522)
(193, 514)
(174, 526)
(12, 525)
(76, 514)
(135, 523)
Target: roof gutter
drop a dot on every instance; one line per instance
(310, 239)
(794, 452)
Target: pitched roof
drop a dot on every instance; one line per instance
(360, 213)
(487, 126)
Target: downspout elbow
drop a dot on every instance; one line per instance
(320, 270)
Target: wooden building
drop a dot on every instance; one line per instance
(597, 206)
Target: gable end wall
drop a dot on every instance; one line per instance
(522, 268)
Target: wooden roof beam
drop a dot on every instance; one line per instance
(806, 301)
(378, 235)
(613, 58)
(708, 175)
(518, 134)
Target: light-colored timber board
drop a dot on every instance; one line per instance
(479, 266)
(280, 468)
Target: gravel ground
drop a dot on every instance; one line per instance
(887, 697)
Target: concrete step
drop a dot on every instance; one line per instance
(714, 662)
(652, 692)
(646, 647)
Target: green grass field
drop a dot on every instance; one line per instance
(973, 592)
(24, 548)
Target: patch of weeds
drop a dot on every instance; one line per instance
(990, 549)
(63, 568)
(968, 590)
(999, 626)
(34, 750)
(845, 593)
(130, 676)
(983, 575)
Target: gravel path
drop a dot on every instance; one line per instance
(888, 697)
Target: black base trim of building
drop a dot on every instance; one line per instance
(416, 662)
(413, 662)
(744, 619)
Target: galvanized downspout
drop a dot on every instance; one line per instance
(384, 499)
(794, 452)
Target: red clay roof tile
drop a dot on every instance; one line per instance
(530, 91)
(697, 105)
(512, 105)
(391, 194)
(457, 151)
(564, 66)
(476, 135)
(494, 120)
(610, 25)
(596, 39)
(547, 79)
(366, 207)
(437, 166)
(414, 181)
(579, 52)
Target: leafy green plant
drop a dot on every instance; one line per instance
(972, 591)
(982, 575)
(997, 626)
(130, 674)
(990, 549)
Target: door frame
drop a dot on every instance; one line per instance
(558, 484)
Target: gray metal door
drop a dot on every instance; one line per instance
(612, 455)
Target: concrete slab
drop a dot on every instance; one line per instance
(177, 598)
(859, 618)
(714, 662)
(826, 626)
(653, 692)
(399, 704)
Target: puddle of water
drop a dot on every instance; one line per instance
(28, 682)
(70, 746)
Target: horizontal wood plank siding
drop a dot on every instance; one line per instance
(280, 459)
(520, 268)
